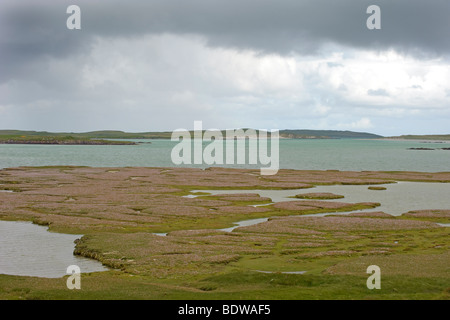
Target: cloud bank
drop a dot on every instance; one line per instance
(160, 65)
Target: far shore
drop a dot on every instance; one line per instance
(414, 140)
(53, 141)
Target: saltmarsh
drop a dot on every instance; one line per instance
(119, 209)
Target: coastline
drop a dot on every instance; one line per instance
(423, 140)
(66, 142)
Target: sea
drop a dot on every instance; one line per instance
(300, 154)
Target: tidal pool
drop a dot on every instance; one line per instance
(245, 223)
(398, 198)
(27, 249)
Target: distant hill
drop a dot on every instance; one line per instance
(43, 137)
(115, 134)
(327, 134)
(445, 137)
(112, 134)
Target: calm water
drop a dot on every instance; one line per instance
(398, 198)
(354, 155)
(27, 249)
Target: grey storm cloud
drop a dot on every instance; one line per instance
(34, 28)
(168, 65)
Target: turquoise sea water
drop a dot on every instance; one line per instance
(353, 155)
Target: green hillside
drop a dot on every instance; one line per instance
(20, 135)
(328, 134)
(43, 137)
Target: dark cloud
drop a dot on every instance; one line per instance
(283, 26)
(280, 26)
(31, 29)
(44, 66)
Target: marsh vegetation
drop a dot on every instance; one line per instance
(118, 210)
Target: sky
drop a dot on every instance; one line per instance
(160, 65)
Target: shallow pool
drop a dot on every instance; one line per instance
(27, 249)
(398, 198)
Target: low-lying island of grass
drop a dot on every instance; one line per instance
(65, 140)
